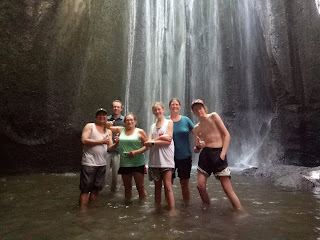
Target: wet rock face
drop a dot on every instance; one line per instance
(292, 30)
(57, 62)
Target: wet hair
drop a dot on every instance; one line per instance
(158, 104)
(174, 99)
(200, 104)
(116, 101)
(130, 114)
(205, 108)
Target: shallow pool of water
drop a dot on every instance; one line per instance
(44, 206)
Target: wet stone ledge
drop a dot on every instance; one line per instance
(288, 176)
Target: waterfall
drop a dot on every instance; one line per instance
(205, 53)
(165, 52)
(132, 28)
(256, 115)
(213, 50)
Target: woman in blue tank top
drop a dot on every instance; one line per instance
(132, 159)
(182, 126)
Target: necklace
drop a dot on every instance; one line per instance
(160, 123)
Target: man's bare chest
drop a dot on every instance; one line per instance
(207, 128)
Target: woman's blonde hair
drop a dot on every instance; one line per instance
(158, 104)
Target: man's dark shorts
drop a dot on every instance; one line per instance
(130, 170)
(184, 168)
(210, 162)
(92, 178)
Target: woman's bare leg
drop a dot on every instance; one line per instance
(168, 189)
(127, 182)
(139, 179)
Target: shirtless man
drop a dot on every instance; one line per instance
(213, 138)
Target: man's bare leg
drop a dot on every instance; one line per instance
(185, 190)
(202, 188)
(226, 185)
(83, 200)
(93, 196)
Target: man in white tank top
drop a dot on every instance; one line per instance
(96, 140)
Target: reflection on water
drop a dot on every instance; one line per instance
(45, 207)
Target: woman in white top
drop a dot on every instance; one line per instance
(161, 157)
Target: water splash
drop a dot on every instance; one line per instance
(318, 5)
(315, 175)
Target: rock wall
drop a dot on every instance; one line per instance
(292, 36)
(60, 61)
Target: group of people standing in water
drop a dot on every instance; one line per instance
(169, 152)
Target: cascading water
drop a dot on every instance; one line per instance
(213, 50)
(161, 36)
(205, 53)
(165, 52)
(132, 27)
(256, 116)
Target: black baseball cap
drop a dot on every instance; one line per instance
(101, 110)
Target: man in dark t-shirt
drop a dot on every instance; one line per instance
(114, 155)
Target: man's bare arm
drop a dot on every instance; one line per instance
(85, 137)
(224, 134)
(196, 149)
(114, 129)
(198, 144)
